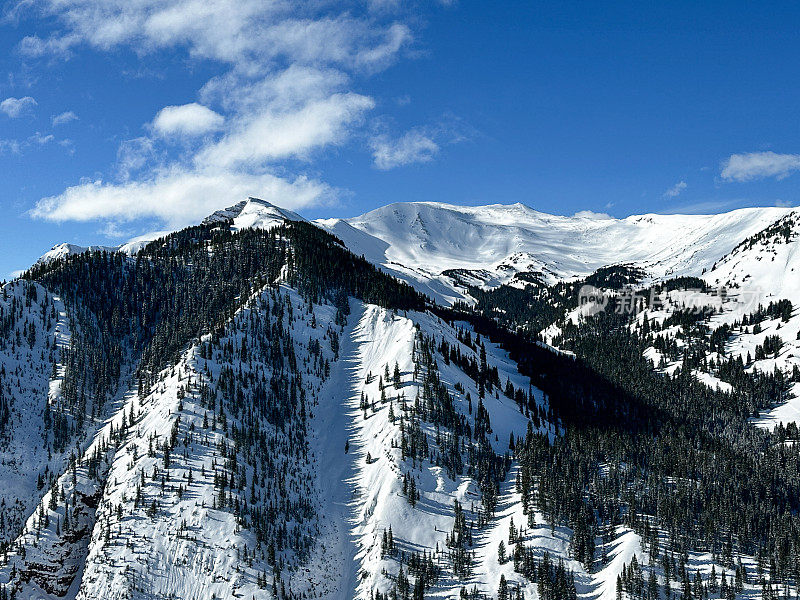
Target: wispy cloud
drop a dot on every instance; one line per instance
(37, 140)
(10, 146)
(272, 135)
(675, 190)
(17, 107)
(759, 165)
(113, 231)
(412, 147)
(41, 139)
(419, 144)
(63, 118)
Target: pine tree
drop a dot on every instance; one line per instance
(502, 590)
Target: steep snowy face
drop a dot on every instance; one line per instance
(34, 330)
(768, 260)
(428, 243)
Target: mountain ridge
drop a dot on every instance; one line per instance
(491, 245)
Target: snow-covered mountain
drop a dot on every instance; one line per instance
(152, 499)
(250, 213)
(248, 411)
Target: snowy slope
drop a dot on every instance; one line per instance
(761, 269)
(386, 339)
(767, 262)
(30, 377)
(121, 524)
(753, 253)
(438, 247)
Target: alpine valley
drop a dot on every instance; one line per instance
(425, 401)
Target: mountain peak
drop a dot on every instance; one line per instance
(253, 213)
(67, 249)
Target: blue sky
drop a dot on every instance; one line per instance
(119, 117)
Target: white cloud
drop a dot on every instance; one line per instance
(187, 120)
(135, 155)
(283, 91)
(245, 33)
(271, 136)
(759, 165)
(412, 147)
(675, 190)
(36, 47)
(112, 230)
(16, 107)
(592, 215)
(175, 196)
(64, 117)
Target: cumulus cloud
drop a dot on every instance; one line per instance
(412, 147)
(175, 196)
(283, 91)
(270, 135)
(187, 120)
(759, 165)
(62, 118)
(675, 190)
(16, 107)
